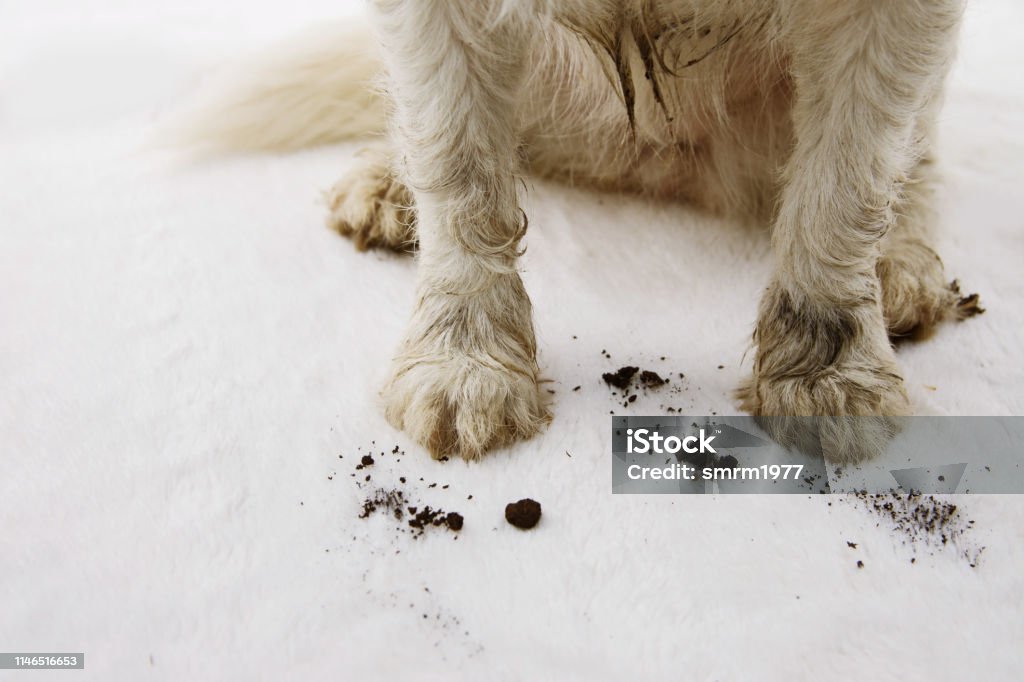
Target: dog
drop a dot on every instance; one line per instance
(817, 117)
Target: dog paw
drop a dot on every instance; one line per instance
(370, 206)
(463, 406)
(915, 293)
(825, 380)
(845, 413)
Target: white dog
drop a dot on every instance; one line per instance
(816, 115)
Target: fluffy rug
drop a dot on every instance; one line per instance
(189, 364)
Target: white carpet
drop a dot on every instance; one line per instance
(185, 352)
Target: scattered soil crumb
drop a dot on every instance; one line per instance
(388, 500)
(620, 378)
(624, 377)
(523, 514)
(366, 461)
(924, 521)
(423, 519)
(651, 378)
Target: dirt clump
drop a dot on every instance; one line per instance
(422, 519)
(651, 378)
(454, 520)
(620, 378)
(524, 514)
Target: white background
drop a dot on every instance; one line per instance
(185, 351)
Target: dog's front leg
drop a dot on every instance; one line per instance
(465, 378)
(864, 71)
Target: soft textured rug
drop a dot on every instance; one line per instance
(188, 374)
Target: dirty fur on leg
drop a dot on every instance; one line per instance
(822, 342)
(465, 378)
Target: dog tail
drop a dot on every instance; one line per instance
(314, 89)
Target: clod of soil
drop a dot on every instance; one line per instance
(620, 378)
(624, 377)
(454, 520)
(727, 462)
(426, 517)
(366, 461)
(651, 378)
(523, 514)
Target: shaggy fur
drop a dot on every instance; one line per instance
(814, 115)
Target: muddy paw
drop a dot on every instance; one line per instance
(825, 378)
(372, 207)
(463, 406)
(915, 294)
(845, 418)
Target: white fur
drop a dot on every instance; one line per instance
(314, 89)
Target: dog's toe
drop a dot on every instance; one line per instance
(461, 407)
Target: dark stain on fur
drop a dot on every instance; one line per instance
(625, 76)
(444, 440)
(654, 35)
(826, 337)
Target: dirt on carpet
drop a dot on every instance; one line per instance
(923, 523)
(524, 514)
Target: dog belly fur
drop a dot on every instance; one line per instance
(678, 104)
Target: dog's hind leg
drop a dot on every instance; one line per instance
(916, 293)
(864, 72)
(465, 378)
(370, 204)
